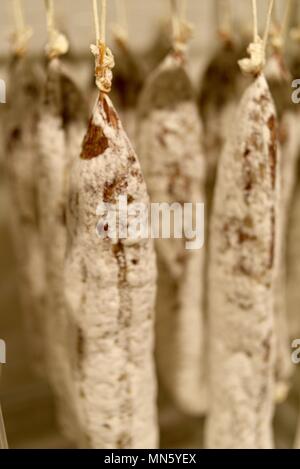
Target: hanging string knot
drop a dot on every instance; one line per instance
(185, 33)
(20, 41)
(181, 36)
(255, 64)
(104, 63)
(276, 38)
(57, 44)
(224, 18)
(22, 32)
(182, 30)
(257, 49)
(120, 28)
(279, 33)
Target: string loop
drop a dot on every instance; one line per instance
(104, 63)
(22, 32)
(257, 49)
(120, 29)
(182, 30)
(295, 30)
(104, 59)
(279, 34)
(57, 42)
(224, 18)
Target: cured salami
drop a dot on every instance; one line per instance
(61, 129)
(110, 292)
(243, 263)
(21, 156)
(169, 144)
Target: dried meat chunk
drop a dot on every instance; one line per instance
(169, 143)
(278, 78)
(242, 273)
(24, 101)
(110, 286)
(61, 128)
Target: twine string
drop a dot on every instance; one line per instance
(224, 17)
(279, 34)
(22, 33)
(255, 20)
(57, 43)
(181, 29)
(96, 20)
(287, 20)
(121, 29)
(295, 30)
(268, 24)
(257, 49)
(104, 59)
(175, 20)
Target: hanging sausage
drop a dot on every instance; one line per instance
(24, 100)
(242, 270)
(169, 144)
(61, 129)
(110, 282)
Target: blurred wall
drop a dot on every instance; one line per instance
(75, 16)
(26, 400)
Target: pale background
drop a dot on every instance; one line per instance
(76, 18)
(26, 401)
